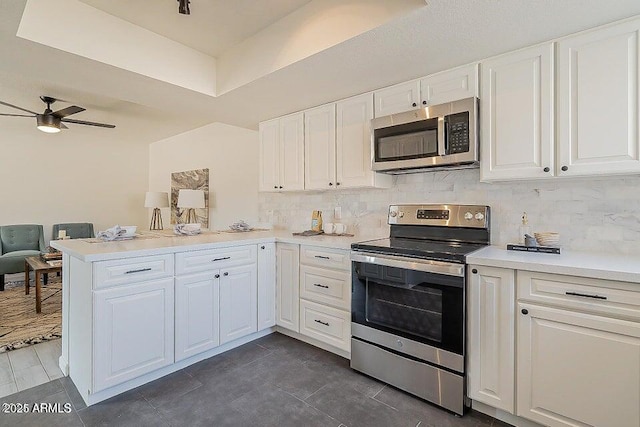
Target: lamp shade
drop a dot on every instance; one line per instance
(191, 199)
(156, 199)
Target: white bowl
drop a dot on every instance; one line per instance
(547, 238)
(130, 230)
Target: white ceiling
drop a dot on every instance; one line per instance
(443, 34)
(213, 26)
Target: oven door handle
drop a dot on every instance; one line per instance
(429, 266)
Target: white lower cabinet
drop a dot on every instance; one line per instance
(288, 292)
(326, 324)
(577, 369)
(491, 337)
(133, 332)
(238, 302)
(197, 314)
(266, 285)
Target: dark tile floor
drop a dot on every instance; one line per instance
(273, 381)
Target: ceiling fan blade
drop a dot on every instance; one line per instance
(15, 115)
(74, 109)
(16, 107)
(62, 126)
(82, 122)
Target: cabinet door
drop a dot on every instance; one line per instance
(517, 123)
(320, 148)
(197, 314)
(598, 86)
(292, 153)
(288, 291)
(133, 331)
(353, 141)
(266, 285)
(397, 99)
(451, 85)
(491, 346)
(238, 302)
(269, 155)
(577, 369)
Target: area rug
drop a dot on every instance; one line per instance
(20, 325)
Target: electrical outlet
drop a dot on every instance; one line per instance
(337, 212)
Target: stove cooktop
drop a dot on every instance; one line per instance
(419, 248)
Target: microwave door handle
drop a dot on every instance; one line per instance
(442, 149)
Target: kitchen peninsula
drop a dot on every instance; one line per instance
(136, 310)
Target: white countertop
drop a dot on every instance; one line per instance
(574, 263)
(156, 243)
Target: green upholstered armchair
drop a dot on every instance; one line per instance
(16, 243)
(75, 230)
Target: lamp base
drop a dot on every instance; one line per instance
(191, 216)
(156, 220)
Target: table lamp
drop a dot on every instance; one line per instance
(156, 200)
(191, 200)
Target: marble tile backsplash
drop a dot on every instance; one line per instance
(592, 214)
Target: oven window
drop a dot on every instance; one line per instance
(417, 311)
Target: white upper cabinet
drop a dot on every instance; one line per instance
(269, 155)
(397, 98)
(353, 144)
(282, 154)
(517, 132)
(440, 88)
(598, 87)
(320, 147)
(450, 85)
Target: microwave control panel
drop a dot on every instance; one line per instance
(457, 126)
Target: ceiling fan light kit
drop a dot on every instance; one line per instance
(52, 121)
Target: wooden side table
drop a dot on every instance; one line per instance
(39, 268)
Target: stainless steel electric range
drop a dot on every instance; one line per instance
(408, 300)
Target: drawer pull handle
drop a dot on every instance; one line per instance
(577, 294)
(142, 270)
(322, 257)
(321, 286)
(221, 259)
(321, 322)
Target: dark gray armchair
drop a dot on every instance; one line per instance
(16, 243)
(75, 230)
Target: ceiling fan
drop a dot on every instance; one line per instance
(52, 121)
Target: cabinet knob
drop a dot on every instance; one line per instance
(474, 271)
(217, 276)
(525, 311)
(564, 168)
(331, 183)
(337, 183)
(226, 273)
(546, 169)
(262, 247)
(280, 187)
(414, 104)
(275, 186)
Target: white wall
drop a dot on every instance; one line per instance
(591, 214)
(230, 153)
(70, 177)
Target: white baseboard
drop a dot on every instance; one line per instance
(502, 415)
(64, 366)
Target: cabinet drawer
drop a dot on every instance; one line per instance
(326, 286)
(580, 293)
(214, 259)
(323, 257)
(132, 270)
(329, 325)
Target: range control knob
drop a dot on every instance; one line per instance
(479, 216)
(393, 214)
(468, 216)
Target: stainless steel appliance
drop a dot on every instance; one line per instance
(408, 300)
(439, 136)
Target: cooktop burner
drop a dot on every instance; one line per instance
(417, 248)
(435, 232)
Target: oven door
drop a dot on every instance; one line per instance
(406, 301)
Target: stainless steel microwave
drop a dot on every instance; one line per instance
(439, 136)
